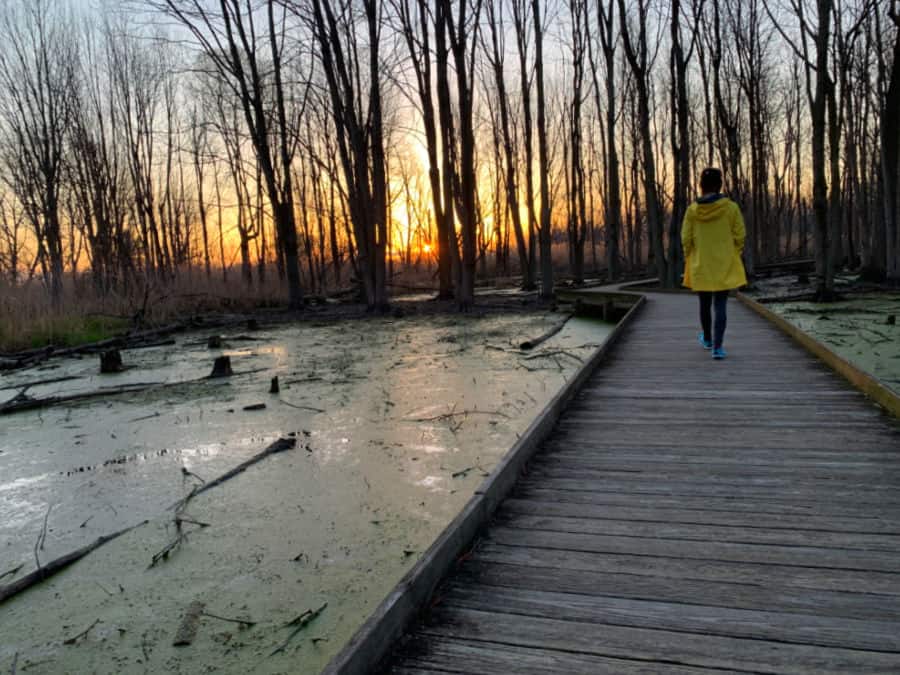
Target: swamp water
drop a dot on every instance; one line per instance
(857, 329)
(397, 423)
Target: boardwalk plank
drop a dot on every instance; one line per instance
(817, 467)
(656, 645)
(477, 656)
(757, 504)
(863, 525)
(804, 629)
(876, 583)
(769, 554)
(759, 488)
(814, 539)
(765, 597)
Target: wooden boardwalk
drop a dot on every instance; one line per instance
(688, 516)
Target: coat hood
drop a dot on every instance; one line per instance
(711, 208)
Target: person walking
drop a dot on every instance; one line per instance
(712, 236)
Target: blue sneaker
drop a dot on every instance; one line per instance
(719, 353)
(706, 344)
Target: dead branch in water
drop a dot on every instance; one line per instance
(179, 520)
(463, 473)
(531, 344)
(163, 554)
(21, 402)
(38, 383)
(54, 566)
(552, 353)
(242, 623)
(301, 407)
(73, 640)
(39, 544)
(461, 413)
(301, 622)
(13, 571)
(280, 445)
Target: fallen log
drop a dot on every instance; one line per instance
(21, 402)
(37, 383)
(531, 344)
(187, 630)
(58, 564)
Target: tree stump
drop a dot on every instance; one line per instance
(222, 367)
(111, 361)
(214, 342)
(274, 388)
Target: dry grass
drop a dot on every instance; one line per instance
(28, 319)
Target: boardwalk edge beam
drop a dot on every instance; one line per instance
(387, 624)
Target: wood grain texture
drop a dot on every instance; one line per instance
(688, 516)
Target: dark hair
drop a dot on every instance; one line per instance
(710, 180)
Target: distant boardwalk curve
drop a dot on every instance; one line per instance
(688, 516)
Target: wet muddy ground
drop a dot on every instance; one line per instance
(397, 422)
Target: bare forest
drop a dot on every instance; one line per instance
(298, 149)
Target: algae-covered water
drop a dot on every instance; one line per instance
(859, 328)
(397, 421)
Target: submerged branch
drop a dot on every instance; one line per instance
(300, 622)
(280, 445)
(73, 640)
(54, 566)
(461, 413)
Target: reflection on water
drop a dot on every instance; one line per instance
(397, 423)
(20, 484)
(434, 483)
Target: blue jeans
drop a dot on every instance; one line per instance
(707, 298)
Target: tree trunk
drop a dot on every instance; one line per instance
(546, 243)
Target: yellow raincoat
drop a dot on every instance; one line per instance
(712, 236)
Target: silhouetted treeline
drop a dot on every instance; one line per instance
(325, 142)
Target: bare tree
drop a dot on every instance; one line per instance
(890, 147)
(37, 73)
(417, 22)
(680, 134)
(12, 221)
(544, 233)
(249, 59)
(496, 58)
(606, 25)
(523, 31)
(462, 31)
(577, 221)
(640, 59)
(358, 120)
